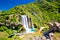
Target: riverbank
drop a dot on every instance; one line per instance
(38, 36)
(30, 36)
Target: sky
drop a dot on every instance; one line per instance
(7, 4)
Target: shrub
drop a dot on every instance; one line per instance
(3, 28)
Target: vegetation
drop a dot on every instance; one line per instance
(41, 12)
(4, 36)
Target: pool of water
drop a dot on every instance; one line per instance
(32, 30)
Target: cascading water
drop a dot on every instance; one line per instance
(26, 22)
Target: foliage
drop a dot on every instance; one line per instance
(3, 28)
(10, 32)
(4, 36)
(41, 12)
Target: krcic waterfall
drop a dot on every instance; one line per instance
(27, 23)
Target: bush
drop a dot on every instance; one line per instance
(10, 32)
(3, 28)
(4, 36)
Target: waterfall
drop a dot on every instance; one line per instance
(26, 22)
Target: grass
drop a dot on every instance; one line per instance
(4, 36)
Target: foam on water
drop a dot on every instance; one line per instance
(25, 23)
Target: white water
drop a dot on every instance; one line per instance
(25, 23)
